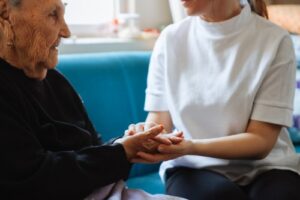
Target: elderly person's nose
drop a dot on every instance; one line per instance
(65, 31)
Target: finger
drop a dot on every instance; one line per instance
(163, 140)
(178, 134)
(149, 125)
(152, 132)
(171, 138)
(154, 158)
(151, 158)
(168, 149)
(175, 140)
(150, 145)
(131, 127)
(129, 133)
(139, 127)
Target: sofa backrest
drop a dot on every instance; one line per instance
(112, 87)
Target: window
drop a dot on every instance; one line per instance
(90, 22)
(88, 12)
(95, 17)
(90, 18)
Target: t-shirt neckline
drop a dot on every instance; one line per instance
(227, 27)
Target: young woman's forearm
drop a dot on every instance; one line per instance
(240, 146)
(163, 118)
(255, 143)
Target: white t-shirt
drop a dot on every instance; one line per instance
(214, 77)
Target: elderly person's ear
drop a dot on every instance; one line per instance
(6, 32)
(4, 9)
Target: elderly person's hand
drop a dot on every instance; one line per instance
(152, 144)
(30, 32)
(135, 143)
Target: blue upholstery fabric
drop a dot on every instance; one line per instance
(112, 87)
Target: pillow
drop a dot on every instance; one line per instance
(286, 16)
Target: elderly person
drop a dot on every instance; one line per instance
(49, 148)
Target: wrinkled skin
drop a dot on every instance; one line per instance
(34, 28)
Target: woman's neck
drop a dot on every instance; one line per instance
(221, 11)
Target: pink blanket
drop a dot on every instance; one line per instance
(119, 191)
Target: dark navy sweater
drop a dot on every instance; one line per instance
(48, 146)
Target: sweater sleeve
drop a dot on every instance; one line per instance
(28, 171)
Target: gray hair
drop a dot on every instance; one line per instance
(15, 2)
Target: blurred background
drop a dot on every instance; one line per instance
(130, 25)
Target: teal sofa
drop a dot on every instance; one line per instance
(112, 87)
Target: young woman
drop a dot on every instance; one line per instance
(225, 77)
(49, 147)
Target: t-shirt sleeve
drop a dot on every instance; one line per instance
(274, 100)
(155, 92)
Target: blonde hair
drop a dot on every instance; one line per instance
(259, 7)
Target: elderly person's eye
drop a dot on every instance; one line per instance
(53, 14)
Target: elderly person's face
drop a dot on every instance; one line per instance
(36, 28)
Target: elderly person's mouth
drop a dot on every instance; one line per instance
(55, 46)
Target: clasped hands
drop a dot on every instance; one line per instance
(150, 143)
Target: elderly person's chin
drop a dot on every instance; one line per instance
(39, 70)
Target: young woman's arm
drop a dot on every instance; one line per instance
(163, 118)
(255, 143)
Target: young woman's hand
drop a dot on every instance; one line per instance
(163, 138)
(166, 152)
